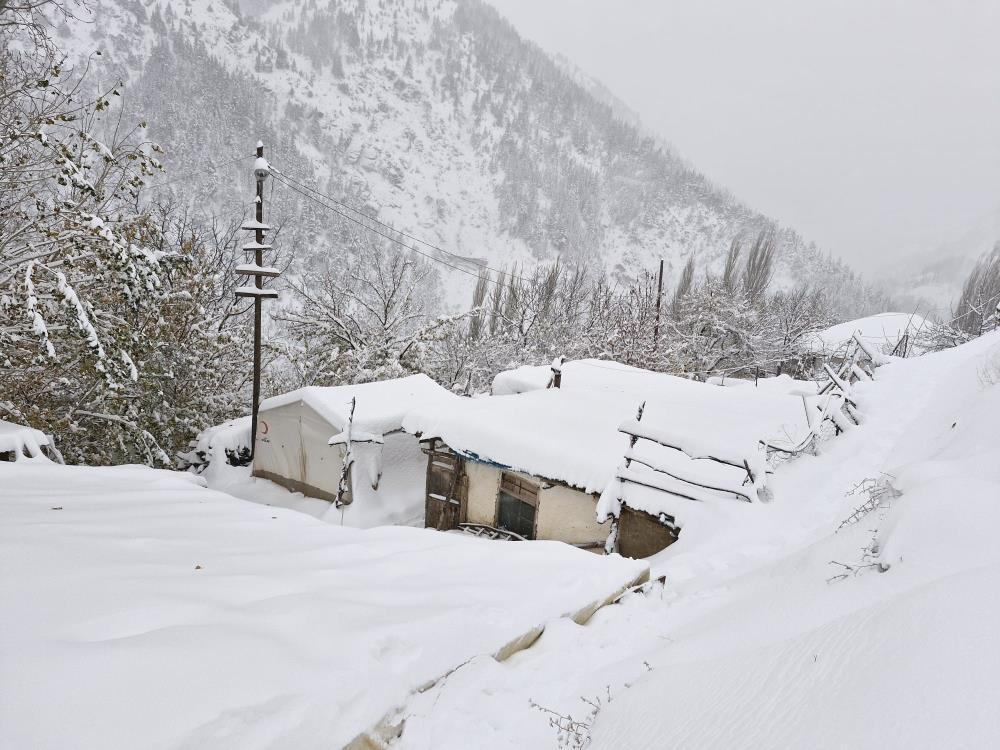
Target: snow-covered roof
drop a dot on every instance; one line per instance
(563, 435)
(777, 384)
(880, 331)
(590, 374)
(380, 405)
(23, 441)
(571, 434)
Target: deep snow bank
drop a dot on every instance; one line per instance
(142, 610)
(808, 654)
(760, 639)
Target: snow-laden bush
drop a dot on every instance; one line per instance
(115, 326)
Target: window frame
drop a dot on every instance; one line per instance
(523, 490)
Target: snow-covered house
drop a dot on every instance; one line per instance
(305, 436)
(535, 461)
(533, 464)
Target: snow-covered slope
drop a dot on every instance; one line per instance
(882, 332)
(798, 623)
(432, 115)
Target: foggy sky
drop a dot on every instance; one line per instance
(872, 127)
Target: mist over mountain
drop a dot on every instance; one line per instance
(434, 116)
(929, 279)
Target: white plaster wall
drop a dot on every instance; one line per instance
(567, 515)
(484, 481)
(564, 514)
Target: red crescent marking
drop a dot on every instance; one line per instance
(263, 427)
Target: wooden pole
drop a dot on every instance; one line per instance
(659, 300)
(257, 308)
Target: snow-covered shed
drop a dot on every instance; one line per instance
(532, 464)
(536, 461)
(301, 444)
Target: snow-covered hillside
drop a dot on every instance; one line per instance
(795, 624)
(432, 115)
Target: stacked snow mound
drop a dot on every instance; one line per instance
(228, 442)
(25, 443)
(880, 332)
(149, 612)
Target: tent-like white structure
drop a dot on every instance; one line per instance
(386, 483)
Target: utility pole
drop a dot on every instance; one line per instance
(659, 299)
(255, 251)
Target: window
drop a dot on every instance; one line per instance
(517, 503)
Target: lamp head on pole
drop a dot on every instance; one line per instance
(261, 169)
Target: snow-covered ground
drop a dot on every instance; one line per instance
(144, 611)
(762, 636)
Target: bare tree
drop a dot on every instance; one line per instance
(730, 274)
(759, 268)
(361, 315)
(684, 284)
(977, 309)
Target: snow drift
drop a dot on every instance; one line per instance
(837, 615)
(142, 610)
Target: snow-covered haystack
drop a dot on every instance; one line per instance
(228, 443)
(22, 443)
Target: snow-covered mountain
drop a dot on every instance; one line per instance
(932, 277)
(434, 116)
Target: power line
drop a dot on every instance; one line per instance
(292, 182)
(194, 173)
(368, 216)
(374, 230)
(306, 191)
